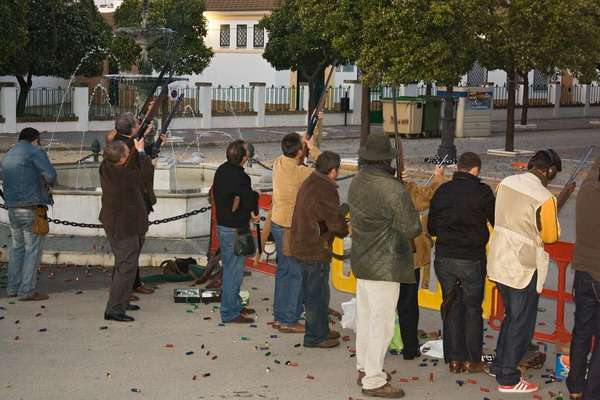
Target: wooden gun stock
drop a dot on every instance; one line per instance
(146, 106)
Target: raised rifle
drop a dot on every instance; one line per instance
(165, 127)
(159, 82)
(314, 117)
(399, 152)
(441, 163)
(153, 112)
(567, 190)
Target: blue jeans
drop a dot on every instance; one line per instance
(463, 326)
(517, 330)
(584, 377)
(287, 305)
(25, 252)
(316, 289)
(233, 274)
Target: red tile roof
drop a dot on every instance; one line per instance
(240, 5)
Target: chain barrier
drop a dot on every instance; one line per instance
(99, 226)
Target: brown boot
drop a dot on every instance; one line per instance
(456, 367)
(333, 334)
(133, 297)
(326, 344)
(361, 374)
(240, 319)
(143, 290)
(35, 296)
(575, 396)
(387, 391)
(247, 311)
(474, 367)
(292, 328)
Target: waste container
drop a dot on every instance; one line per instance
(432, 111)
(409, 113)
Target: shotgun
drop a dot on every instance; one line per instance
(146, 106)
(165, 127)
(568, 188)
(153, 112)
(399, 153)
(314, 117)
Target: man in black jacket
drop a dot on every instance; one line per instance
(459, 213)
(236, 205)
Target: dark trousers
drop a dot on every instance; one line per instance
(587, 325)
(315, 285)
(463, 325)
(408, 314)
(137, 282)
(517, 330)
(127, 254)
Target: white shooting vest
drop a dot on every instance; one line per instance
(516, 248)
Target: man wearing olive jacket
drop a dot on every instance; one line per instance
(384, 221)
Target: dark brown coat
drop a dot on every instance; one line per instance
(317, 219)
(123, 212)
(586, 256)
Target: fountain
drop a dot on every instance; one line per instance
(180, 186)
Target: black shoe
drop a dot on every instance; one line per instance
(132, 307)
(411, 355)
(118, 317)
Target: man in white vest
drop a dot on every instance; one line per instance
(526, 218)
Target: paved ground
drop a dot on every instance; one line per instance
(63, 349)
(74, 358)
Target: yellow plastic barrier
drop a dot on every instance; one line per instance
(427, 299)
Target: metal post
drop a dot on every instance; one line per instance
(447, 147)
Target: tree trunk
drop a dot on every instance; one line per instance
(525, 105)
(510, 111)
(365, 110)
(24, 86)
(315, 88)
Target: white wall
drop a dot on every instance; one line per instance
(39, 81)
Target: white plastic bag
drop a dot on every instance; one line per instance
(349, 314)
(433, 348)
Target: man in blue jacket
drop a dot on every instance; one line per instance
(26, 174)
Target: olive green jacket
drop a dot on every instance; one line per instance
(384, 221)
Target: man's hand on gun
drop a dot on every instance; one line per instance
(255, 218)
(139, 144)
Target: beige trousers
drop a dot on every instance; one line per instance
(375, 321)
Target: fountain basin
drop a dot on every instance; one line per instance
(179, 188)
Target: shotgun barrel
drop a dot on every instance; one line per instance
(566, 191)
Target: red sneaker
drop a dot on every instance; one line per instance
(522, 387)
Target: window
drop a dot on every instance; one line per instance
(242, 35)
(225, 35)
(345, 68)
(259, 36)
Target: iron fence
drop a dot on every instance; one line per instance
(594, 94)
(571, 95)
(106, 104)
(232, 99)
(376, 94)
(500, 96)
(334, 94)
(190, 104)
(539, 95)
(45, 103)
(284, 98)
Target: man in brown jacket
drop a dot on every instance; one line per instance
(317, 219)
(586, 262)
(125, 220)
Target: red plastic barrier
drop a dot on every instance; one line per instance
(562, 254)
(264, 203)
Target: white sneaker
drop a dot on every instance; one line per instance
(522, 387)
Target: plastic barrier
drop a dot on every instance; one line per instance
(254, 263)
(562, 254)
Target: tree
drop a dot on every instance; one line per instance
(297, 43)
(65, 37)
(13, 31)
(185, 49)
(521, 35)
(343, 24)
(408, 41)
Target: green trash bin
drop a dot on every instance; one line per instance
(431, 116)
